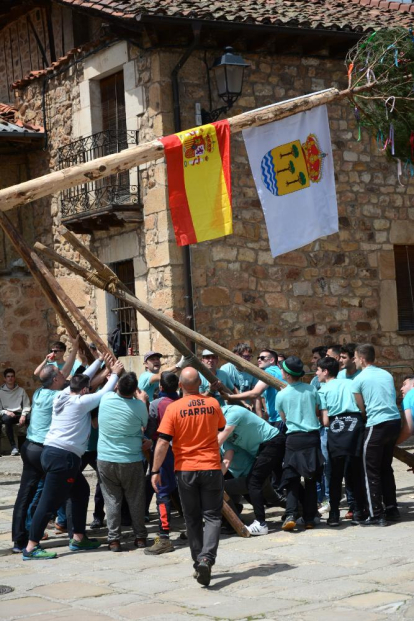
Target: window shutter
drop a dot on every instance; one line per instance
(404, 274)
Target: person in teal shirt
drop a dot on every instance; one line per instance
(347, 362)
(342, 417)
(242, 380)
(298, 405)
(407, 392)
(264, 443)
(122, 418)
(210, 359)
(150, 378)
(376, 398)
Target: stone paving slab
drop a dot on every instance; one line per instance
(344, 574)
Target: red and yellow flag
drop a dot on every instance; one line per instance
(199, 185)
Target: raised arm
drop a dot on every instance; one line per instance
(70, 360)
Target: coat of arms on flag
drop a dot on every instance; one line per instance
(294, 178)
(292, 166)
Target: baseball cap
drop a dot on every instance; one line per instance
(151, 353)
(294, 366)
(207, 352)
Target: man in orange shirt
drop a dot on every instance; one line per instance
(192, 423)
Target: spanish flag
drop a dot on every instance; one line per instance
(199, 185)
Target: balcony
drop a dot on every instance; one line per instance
(104, 203)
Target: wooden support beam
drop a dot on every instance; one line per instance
(26, 253)
(233, 519)
(108, 284)
(404, 456)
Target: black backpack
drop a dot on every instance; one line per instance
(117, 341)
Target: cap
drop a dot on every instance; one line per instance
(294, 366)
(207, 352)
(152, 353)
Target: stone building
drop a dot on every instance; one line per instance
(80, 79)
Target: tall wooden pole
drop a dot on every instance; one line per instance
(26, 253)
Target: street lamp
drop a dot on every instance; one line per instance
(229, 71)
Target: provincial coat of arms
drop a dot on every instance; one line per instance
(197, 145)
(292, 166)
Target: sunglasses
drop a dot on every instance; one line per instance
(55, 351)
(262, 357)
(247, 356)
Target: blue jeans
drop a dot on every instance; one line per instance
(323, 487)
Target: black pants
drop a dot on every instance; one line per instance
(269, 459)
(89, 459)
(201, 494)
(377, 458)
(9, 421)
(353, 466)
(63, 480)
(306, 495)
(31, 475)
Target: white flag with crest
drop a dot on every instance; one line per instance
(292, 166)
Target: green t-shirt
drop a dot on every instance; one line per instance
(242, 461)
(145, 384)
(378, 392)
(342, 374)
(250, 430)
(120, 429)
(224, 379)
(337, 397)
(298, 402)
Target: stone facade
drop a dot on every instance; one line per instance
(337, 289)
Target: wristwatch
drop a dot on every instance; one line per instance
(155, 472)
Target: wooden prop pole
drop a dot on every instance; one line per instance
(26, 253)
(71, 306)
(112, 287)
(166, 333)
(404, 456)
(232, 518)
(57, 181)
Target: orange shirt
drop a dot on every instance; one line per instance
(193, 422)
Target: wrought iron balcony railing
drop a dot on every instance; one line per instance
(120, 190)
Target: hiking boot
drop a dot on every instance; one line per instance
(14, 452)
(96, 523)
(38, 554)
(161, 545)
(84, 545)
(289, 523)
(256, 529)
(392, 514)
(204, 572)
(333, 519)
(115, 546)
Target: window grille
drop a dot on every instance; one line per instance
(126, 316)
(404, 275)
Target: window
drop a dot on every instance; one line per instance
(126, 316)
(404, 270)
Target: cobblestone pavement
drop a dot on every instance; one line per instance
(343, 574)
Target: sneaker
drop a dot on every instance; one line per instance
(325, 507)
(14, 452)
(115, 546)
(16, 549)
(309, 525)
(161, 545)
(96, 523)
(84, 545)
(140, 542)
(258, 529)
(349, 515)
(358, 518)
(289, 523)
(392, 514)
(204, 572)
(60, 530)
(333, 519)
(374, 521)
(38, 554)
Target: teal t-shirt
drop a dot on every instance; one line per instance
(41, 414)
(243, 381)
(242, 461)
(298, 402)
(224, 379)
(337, 397)
(120, 429)
(145, 384)
(342, 374)
(378, 392)
(60, 366)
(408, 402)
(270, 395)
(250, 430)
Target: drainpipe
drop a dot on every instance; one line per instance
(188, 283)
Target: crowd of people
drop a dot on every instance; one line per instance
(173, 433)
